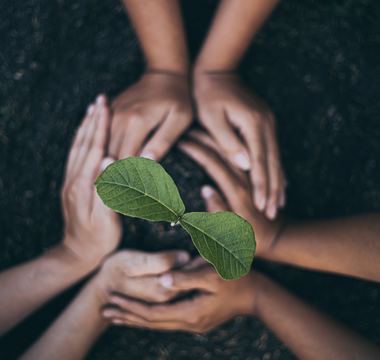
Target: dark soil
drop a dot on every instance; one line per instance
(321, 75)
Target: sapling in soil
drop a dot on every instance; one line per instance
(141, 188)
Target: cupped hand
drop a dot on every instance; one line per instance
(158, 103)
(234, 185)
(216, 301)
(225, 107)
(136, 274)
(91, 229)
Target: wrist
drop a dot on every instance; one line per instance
(205, 79)
(167, 72)
(177, 67)
(266, 249)
(80, 256)
(207, 67)
(260, 295)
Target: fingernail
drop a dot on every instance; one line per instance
(114, 300)
(107, 314)
(261, 203)
(90, 110)
(183, 258)
(117, 322)
(148, 155)
(272, 211)
(107, 161)
(100, 100)
(207, 192)
(241, 159)
(166, 280)
(282, 200)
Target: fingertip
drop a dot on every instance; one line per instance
(241, 160)
(107, 314)
(260, 201)
(90, 110)
(183, 258)
(207, 192)
(166, 280)
(148, 155)
(105, 162)
(271, 212)
(101, 99)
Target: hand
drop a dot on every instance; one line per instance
(158, 102)
(225, 106)
(136, 274)
(234, 185)
(216, 302)
(91, 229)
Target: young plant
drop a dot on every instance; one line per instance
(140, 187)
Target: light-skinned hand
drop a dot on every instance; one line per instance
(234, 185)
(244, 128)
(92, 230)
(158, 103)
(216, 301)
(137, 274)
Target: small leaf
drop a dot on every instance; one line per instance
(141, 188)
(224, 239)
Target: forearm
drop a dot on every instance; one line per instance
(309, 334)
(26, 287)
(76, 329)
(158, 24)
(346, 245)
(233, 28)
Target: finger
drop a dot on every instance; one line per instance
(79, 138)
(181, 311)
(205, 139)
(120, 317)
(228, 141)
(90, 135)
(202, 278)
(195, 263)
(276, 196)
(214, 201)
(139, 263)
(136, 131)
(114, 144)
(255, 141)
(145, 288)
(215, 168)
(96, 144)
(282, 200)
(166, 135)
(97, 200)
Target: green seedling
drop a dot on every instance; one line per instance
(141, 188)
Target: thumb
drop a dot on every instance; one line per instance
(214, 201)
(142, 263)
(105, 162)
(200, 278)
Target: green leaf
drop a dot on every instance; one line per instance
(141, 188)
(224, 239)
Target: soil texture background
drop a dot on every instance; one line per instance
(320, 74)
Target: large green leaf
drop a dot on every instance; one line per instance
(224, 239)
(141, 188)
